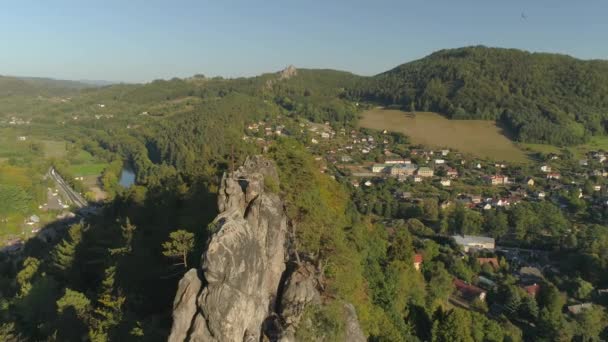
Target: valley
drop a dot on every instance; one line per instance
(371, 223)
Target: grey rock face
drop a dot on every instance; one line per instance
(300, 290)
(184, 305)
(353, 331)
(242, 266)
(288, 72)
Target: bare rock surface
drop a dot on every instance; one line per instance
(243, 263)
(288, 72)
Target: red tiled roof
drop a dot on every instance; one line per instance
(467, 290)
(418, 258)
(532, 290)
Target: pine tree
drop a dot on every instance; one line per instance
(63, 255)
(108, 313)
(454, 326)
(179, 245)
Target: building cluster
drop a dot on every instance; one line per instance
(15, 121)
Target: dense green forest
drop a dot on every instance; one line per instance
(540, 97)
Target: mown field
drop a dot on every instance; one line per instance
(478, 137)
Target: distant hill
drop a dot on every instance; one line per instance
(541, 97)
(33, 86)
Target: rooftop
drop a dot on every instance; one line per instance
(472, 239)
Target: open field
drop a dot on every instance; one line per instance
(54, 149)
(478, 137)
(93, 169)
(84, 164)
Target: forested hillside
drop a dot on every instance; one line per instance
(10, 86)
(541, 97)
(108, 279)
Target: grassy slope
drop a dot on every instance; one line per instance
(482, 138)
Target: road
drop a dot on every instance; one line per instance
(72, 195)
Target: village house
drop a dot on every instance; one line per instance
(445, 152)
(578, 308)
(425, 172)
(469, 292)
(452, 173)
(501, 202)
(530, 182)
(418, 261)
(403, 169)
(394, 161)
(475, 199)
(405, 195)
(553, 175)
(497, 180)
(346, 159)
(472, 242)
(379, 168)
(445, 182)
(22, 138)
(545, 168)
(439, 161)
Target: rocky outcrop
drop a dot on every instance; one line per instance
(243, 290)
(288, 72)
(300, 291)
(242, 266)
(185, 305)
(353, 332)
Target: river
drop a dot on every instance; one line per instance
(127, 177)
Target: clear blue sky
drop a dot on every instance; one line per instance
(135, 41)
